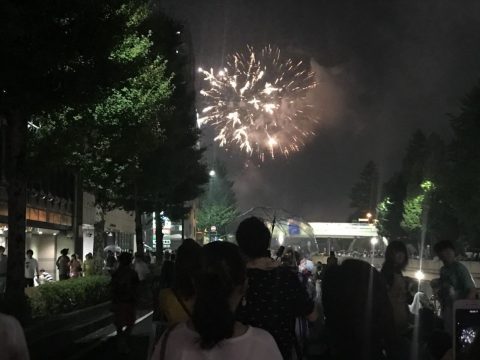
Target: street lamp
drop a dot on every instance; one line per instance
(374, 241)
(420, 275)
(212, 173)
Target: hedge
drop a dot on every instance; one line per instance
(68, 295)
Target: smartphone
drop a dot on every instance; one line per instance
(466, 317)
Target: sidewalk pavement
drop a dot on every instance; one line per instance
(102, 344)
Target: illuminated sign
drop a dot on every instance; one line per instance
(343, 230)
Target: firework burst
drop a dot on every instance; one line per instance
(259, 102)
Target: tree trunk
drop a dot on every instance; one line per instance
(159, 237)
(99, 240)
(138, 225)
(78, 215)
(17, 204)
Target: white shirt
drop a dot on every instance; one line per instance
(142, 270)
(31, 266)
(255, 344)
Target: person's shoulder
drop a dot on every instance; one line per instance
(260, 334)
(166, 293)
(180, 340)
(180, 333)
(8, 321)
(264, 342)
(459, 265)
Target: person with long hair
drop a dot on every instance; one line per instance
(213, 332)
(358, 314)
(396, 260)
(275, 295)
(176, 303)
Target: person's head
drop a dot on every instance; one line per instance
(167, 255)
(253, 237)
(29, 253)
(445, 251)
(219, 288)
(2, 250)
(125, 259)
(358, 313)
(89, 256)
(280, 251)
(396, 255)
(74, 256)
(187, 266)
(64, 252)
(332, 253)
(332, 260)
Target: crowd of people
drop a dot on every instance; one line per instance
(69, 267)
(227, 301)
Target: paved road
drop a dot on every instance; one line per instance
(102, 344)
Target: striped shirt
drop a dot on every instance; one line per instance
(45, 277)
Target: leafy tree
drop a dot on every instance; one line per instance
(363, 196)
(390, 209)
(217, 205)
(216, 215)
(416, 212)
(407, 208)
(109, 137)
(464, 180)
(52, 65)
(413, 163)
(171, 172)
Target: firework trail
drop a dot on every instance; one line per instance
(259, 102)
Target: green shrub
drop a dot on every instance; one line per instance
(69, 295)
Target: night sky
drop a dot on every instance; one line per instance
(384, 67)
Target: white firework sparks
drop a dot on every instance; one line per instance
(259, 102)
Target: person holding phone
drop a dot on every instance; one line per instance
(466, 345)
(456, 282)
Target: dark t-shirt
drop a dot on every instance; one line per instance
(63, 265)
(274, 299)
(124, 285)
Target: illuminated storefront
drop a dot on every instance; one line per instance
(48, 230)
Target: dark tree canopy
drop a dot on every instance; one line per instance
(363, 196)
(217, 205)
(464, 187)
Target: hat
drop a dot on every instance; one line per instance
(64, 251)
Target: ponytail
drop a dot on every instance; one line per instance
(224, 270)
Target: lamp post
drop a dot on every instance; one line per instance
(373, 242)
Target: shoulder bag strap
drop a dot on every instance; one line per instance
(163, 349)
(187, 311)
